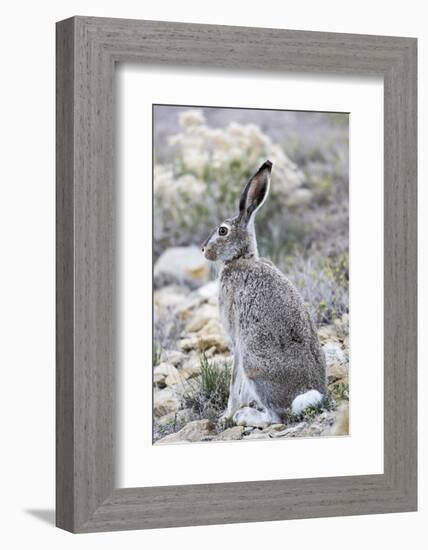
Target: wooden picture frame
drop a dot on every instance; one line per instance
(87, 50)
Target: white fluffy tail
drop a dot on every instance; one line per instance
(309, 399)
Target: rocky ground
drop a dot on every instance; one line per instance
(192, 362)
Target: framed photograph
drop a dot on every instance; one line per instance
(236, 274)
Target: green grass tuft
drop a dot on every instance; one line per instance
(207, 395)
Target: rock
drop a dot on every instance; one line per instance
(188, 307)
(231, 434)
(183, 265)
(165, 401)
(202, 317)
(191, 371)
(159, 380)
(169, 297)
(193, 360)
(213, 327)
(203, 342)
(173, 357)
(164, 369)
(336, 371)
(277, 427)
(210, 290)
(197, 430)
(176, 377)
(326, 333)
(293, 431)
(334, 353)
(341, 426)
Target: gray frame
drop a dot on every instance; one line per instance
(87, 50)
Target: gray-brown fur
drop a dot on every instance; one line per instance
(267, 320)
(274, 341)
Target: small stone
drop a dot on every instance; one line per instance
(293, 431)
(182, 264)
(326, 333)
(174, 357)
(202, 317)
(176, 377)
(231, 434)
(341, 424)
(159, 380)
(209, 290)
(203, 342)
(164, 402)
(336, 371)
(165, 369)
(277, 427)
(191, 371)
(188, 307)
(169, 297)
(197, 430)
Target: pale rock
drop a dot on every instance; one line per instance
(336, 371)
(341, 424)
(169, 296)
(209, 290)
(327, 333)
(197, 430)
(202, 317)
(188, 307)
(176, 377)
(159, 380)
(277, 427)
(203, 342)
(191, 371)
(293, 431)
(164, 369)
(193, 360)
(165, 401)
(183, 265)
(213, 326)
(173, 357)
(231, 434)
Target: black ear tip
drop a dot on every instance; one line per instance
(267, 165)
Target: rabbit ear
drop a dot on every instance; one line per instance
(255, 192)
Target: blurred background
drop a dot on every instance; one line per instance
(203, 158)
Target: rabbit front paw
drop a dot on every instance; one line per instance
(249, 416)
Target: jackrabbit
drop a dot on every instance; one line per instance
(278, 363)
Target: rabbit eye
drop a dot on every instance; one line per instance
(222, 231)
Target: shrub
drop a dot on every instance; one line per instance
(210, 166)
(208, 394)
(322, 282)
